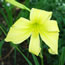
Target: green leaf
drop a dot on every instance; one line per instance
(62, 57)
(3, 29)
(14, 45)
(0, 32)
(9, 13)
(15, 56)
(1, 44)
(4, 16)
(35, 60)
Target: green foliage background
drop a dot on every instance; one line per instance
(10, 15)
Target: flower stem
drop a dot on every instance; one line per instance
(41, 56)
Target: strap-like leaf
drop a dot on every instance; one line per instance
(62, 57)
(1, 44)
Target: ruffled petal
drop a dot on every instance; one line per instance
(19, 31)
(51, 39)
(51, 51)
(37, 15)
(34, 46)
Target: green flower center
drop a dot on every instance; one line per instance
(35, 27)
(35, 24)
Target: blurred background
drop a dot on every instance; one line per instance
(9, 14)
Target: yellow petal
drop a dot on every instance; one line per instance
(38, 15)
(51, 25)
(19, 31)
(51, 39)
(34, 46)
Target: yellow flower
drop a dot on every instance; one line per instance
(39, 24)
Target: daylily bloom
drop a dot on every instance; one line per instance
(39, 24)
